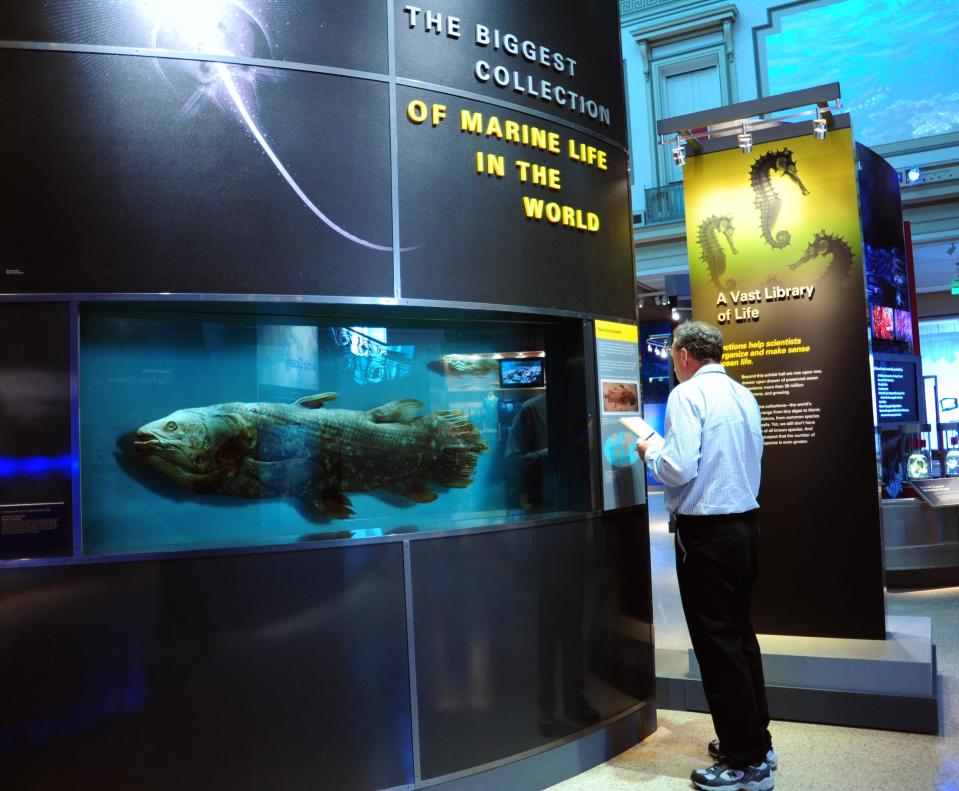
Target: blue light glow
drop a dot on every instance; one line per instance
(38, 466)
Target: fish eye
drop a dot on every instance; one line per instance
(171, 426)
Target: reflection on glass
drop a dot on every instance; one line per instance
(527, 452)
(561, 646)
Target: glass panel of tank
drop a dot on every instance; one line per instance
(204, 430)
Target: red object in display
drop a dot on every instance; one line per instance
(882, 323)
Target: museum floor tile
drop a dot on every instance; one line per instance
(812, 757)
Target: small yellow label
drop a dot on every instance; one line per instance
(613, 331)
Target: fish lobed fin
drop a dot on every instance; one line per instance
(414, 489)
(335, 504)
(315, 401)
(401, 411)
(329, 502)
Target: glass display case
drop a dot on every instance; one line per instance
(914, 458)
(950, 449)
(202, 429)
(918, 461)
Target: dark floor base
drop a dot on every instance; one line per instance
(911, 714)
(544, 769)
(930, 577)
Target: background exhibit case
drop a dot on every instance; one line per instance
(776, 248)
(218, 210)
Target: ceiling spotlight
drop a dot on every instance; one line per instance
(641, 302)
(675, 314)
(913, 175)
(649, 347)
(819, 126)
(951, 249)
(679, 154)
(745, 140)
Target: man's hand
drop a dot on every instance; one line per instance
(642, 446)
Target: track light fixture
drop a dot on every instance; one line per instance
(819, 126)
(716, 131)
(679, 153)
(745, 139)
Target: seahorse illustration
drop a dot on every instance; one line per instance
(824, 244)
(767, 199)
(771, 282)
(713, 255)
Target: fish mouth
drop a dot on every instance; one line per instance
(148, 443)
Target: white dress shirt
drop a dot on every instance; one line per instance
(710, 461)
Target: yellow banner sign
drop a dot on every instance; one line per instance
(614, 331)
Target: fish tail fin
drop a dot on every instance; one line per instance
(459, 445)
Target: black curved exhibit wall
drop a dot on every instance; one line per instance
(182, 179)
(302, 161)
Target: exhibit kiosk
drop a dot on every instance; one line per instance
(317, 323)
(795, 243)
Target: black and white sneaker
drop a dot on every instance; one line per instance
(755, 777)
(716, 753)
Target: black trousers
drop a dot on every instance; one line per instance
(717, 562)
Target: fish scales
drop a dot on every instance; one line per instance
(354, 451)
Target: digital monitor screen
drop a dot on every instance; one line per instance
(895, 383)
(522, 373)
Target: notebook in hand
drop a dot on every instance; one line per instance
(642, 429)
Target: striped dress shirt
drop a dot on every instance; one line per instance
(710, 461)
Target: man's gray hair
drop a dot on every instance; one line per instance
(703, 341)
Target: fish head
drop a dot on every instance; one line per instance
(196, 447)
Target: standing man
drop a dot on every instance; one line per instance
(710, 467)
